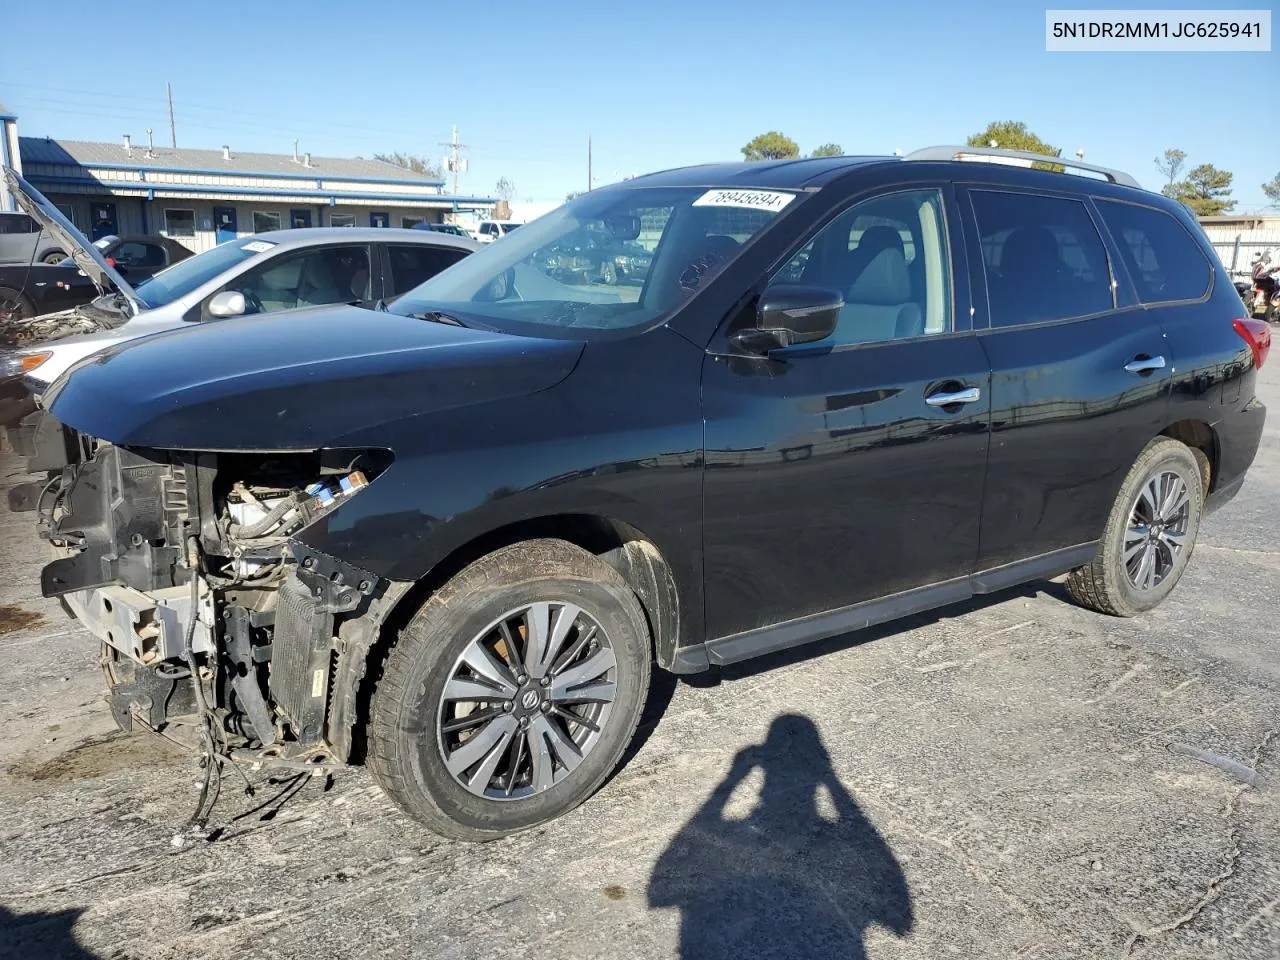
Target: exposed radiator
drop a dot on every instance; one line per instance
(300, 651)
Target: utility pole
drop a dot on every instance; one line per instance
(588, 163)
(173, 131)
(453, 163)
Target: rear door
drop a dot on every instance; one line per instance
(851, 468)
(1080, 372)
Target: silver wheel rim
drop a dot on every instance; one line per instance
(1156, 535)
(526, 701)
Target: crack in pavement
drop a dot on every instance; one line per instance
(1229, 868)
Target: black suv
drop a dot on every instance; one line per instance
(451, 538)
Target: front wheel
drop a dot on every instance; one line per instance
(53, 257)
(14, 305)
(1149, 536)
(513, 693)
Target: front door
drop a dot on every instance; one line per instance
(103, 219)
(851, 468)
(224, 224)
(1081, 374)
(299, 218)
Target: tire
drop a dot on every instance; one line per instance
(15, 305)
(53, 257)
(409, 748)
(1109, 584)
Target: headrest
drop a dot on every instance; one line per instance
(884, 281)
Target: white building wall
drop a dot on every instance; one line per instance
(1237, 245)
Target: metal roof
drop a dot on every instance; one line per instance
(793, 174)
(89, 153)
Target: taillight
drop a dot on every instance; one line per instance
(1257, 334)
(111, 261)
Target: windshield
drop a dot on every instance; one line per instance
(183, 277)
(607, 260)
(507, 227)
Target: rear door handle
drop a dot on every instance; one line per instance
(970, 395)
(1144, 364)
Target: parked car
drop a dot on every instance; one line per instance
(138, 257)
(27, 291)
(490, 230)
(450, 228)
(598, 258)
(22, 241)
(265, 273)
(455, 538)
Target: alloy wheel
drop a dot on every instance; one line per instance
(1156, 533)
(526, 701)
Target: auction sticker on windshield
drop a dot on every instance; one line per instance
(773, 200)
(257, 246)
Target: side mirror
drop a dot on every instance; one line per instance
(790, 313)
(227, 303)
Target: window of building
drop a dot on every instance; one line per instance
(1043, 256)
(1162, 258)
(180, 223)
(342, 219)
(410, 222)
(863, 254)
(264, 220)
(412, 265)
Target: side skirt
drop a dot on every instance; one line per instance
(833, 623)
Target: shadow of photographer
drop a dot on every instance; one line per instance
(803, 875)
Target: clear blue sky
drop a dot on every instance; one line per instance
(655, 83)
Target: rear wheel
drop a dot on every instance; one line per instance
(14, 305)
(53, 257)
(1149, 536)
(513, 693)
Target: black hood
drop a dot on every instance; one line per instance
(296, 381)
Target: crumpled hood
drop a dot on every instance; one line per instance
(296, 380)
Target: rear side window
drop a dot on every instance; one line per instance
(1043, 257)
(412, 265)
(1163, 260)
(17, 223)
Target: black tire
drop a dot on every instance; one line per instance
(53, 257)
(15, 305)
(405, 755)
(1105, 584)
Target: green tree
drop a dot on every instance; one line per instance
(1170, 163)
(771, 146)
(1206, 191)
(1272, 189)
(1014, 135)
(828, 150)
(410, 161)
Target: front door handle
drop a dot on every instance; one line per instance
(970, 395)
(1144, 364)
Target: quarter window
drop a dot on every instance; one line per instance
(180, 223)
(888, 258)
(134, 253)
(1162, 258)
(264, 220)
(1043, 257)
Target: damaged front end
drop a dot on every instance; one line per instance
(24, 333)
(211, 613)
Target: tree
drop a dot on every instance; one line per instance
(1014, 135)
(572, 195)
(1272, 189)
(1170, 163)
(1206, 191)
(505, 189)
(410, 161)
(828, 150)
(771, 146)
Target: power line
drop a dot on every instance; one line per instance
(454, 161)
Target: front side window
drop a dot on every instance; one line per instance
(888, 258)
(265, 220)
(1164, 261)
(180, 223)
(306, 279)
(607, 260)
(412, 265)
(1043, 257)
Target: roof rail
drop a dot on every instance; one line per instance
(961, 153)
